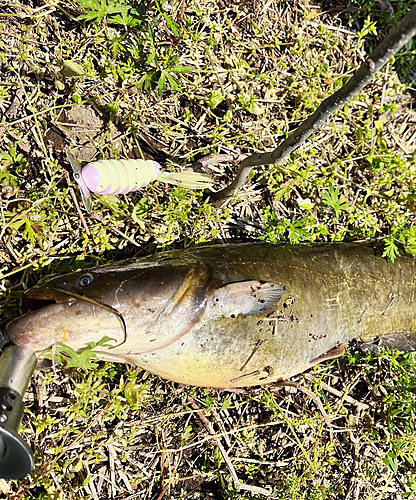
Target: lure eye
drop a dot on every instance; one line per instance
(85, 280)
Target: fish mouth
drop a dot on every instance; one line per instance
(49, 299)
(55, 299)
(40, 325)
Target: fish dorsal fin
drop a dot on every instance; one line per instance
(250, 298)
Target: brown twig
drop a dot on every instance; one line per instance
(349, 399)
(320, 406)
(171, 479)
(238, 485)
(380, 56)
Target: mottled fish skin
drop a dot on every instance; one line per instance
(229, 315)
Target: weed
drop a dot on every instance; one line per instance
(82, 358)
(335, 201)
(113, 11)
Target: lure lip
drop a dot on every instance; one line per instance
(77, 169)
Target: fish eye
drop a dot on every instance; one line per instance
(85, 280)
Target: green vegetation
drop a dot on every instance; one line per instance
(174, 82)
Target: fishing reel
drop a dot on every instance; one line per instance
(16, 367)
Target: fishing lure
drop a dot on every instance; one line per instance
(112, 177)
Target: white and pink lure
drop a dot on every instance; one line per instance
(112, 177)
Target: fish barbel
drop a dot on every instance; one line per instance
(228, 315)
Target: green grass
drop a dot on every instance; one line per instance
(218, 79)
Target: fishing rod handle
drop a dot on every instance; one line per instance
(16, 367)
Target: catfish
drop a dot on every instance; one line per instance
(228, 315)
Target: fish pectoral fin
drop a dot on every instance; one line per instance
(249, 298)
(333, 353)
(191, 291)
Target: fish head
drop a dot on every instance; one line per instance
(64, 311)
(141, 308)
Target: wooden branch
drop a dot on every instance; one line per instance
(380, 56)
